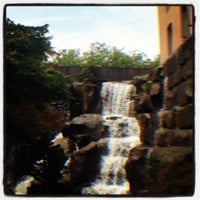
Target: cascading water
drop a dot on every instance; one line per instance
(123, 136)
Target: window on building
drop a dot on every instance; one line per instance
(170, 38)
(185, 22)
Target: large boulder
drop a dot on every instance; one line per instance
(136, 170)
(85, 128)
(64, 144)
(58, 153)
(83, 166)
(170, 171)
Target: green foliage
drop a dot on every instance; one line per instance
(97, 55)
(102, 55)
(69, 57)
(31, 84)
(26, 44)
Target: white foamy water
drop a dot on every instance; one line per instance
(123, 136)
(116, 97)
(23, 184)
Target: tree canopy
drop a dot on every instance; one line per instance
(30, 84)
(101, 54)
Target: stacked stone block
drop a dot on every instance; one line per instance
(164, 106)
(177, 113)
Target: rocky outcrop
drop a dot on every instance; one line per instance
(82, 166)
(85, 129)
(164, 164)
(72, 160)
(170, 171)
(136, 169)
(85, 98)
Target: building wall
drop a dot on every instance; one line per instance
(175, 26)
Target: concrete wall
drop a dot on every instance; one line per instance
(106, 73)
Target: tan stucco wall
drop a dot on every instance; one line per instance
(167, 15)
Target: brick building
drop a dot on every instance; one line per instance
(175, 26)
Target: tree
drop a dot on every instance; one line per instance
(100, 55)
(31, 85)
(69, 57)
(97, 55)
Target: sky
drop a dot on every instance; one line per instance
(76, 27)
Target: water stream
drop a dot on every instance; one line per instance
(123, 136)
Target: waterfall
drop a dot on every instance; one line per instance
(116, 97)
(123, 136)
(23, 184)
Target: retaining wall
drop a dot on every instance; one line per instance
(106, 73)
(163, 165)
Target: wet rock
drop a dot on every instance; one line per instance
(103, 145)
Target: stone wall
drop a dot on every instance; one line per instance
(163, 165)
(106, 73)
